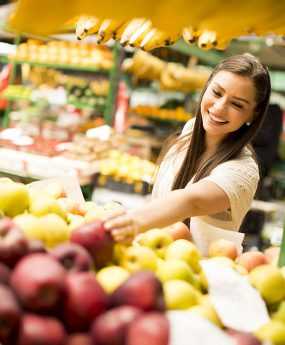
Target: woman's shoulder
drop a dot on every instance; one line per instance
(188, 127)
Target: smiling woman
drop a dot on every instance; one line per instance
(209, 173)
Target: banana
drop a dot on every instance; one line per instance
(190, 35)
(130, 29)
(107, 30)
(138, 36)
(86, 26)
(156, 38)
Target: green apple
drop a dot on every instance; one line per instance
(42, 205)
(137, 258)
(179, 294)
(112, 277)
(157, 240)
(269, 281)
(14, 198)
(184, 250)
(174, 269)
(273, 331)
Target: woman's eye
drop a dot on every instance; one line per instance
(239, 106)
(217, 93)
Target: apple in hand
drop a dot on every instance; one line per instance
(142, 290)
(223, 247)
(155, 239)
(84, 300)
(111, 327)
(96, 240)
(38, 281)
(79, 339)
(243, 338)
(136, 258)
(72, 256)
(13, 244)
(10, 314)
(37, 329)
(149, 329)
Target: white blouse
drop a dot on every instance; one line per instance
(237, 177)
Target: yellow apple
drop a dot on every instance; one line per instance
(137, 258)
(112, 277)
(280, 313)
(273, 331)
(55, 229)
(157, 240)
(207, 311)
(179, 294)
(74, 220)
(14, 198)
(223, 247)
(118, 252)
(184, 250)
(42, 205)
(174, 269)
(270, 282)
(30, 225)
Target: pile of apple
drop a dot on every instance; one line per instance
(63, 280)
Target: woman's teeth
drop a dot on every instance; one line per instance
(215, 120)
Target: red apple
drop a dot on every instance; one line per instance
(13, 244)
(250, 260)
(142, 290)
(243, 338)
(96, 240)
(178, 231)
(72, 256)
(222, 247)
(149, 329)
(84, 300)
(37, 329)
(36, 246)
(38, 281)
(79, 339)
(110, 328)
(4, 274)
(10, 314)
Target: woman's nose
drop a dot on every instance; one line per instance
(219, 104)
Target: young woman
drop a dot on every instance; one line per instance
(209, 175)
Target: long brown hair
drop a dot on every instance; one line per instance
(244, 65)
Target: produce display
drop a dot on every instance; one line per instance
(178, 114)
(149, 25)
(64, 281)
(64, 53)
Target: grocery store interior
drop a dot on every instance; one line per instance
(87, 104)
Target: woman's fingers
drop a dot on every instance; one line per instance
(118, 222)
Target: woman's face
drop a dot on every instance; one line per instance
(227, 104)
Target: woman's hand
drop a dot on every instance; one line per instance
(122, 225)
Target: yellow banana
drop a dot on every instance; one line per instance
(130, 29)
(107, 29)
(86, 26)
(156, 38)
(190, 35)
(138, 36)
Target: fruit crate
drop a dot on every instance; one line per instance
(136, 187)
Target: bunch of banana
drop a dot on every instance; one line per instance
(86, 26)
(144, 66)
(177, 77)
(107, 30)
(156, 38)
